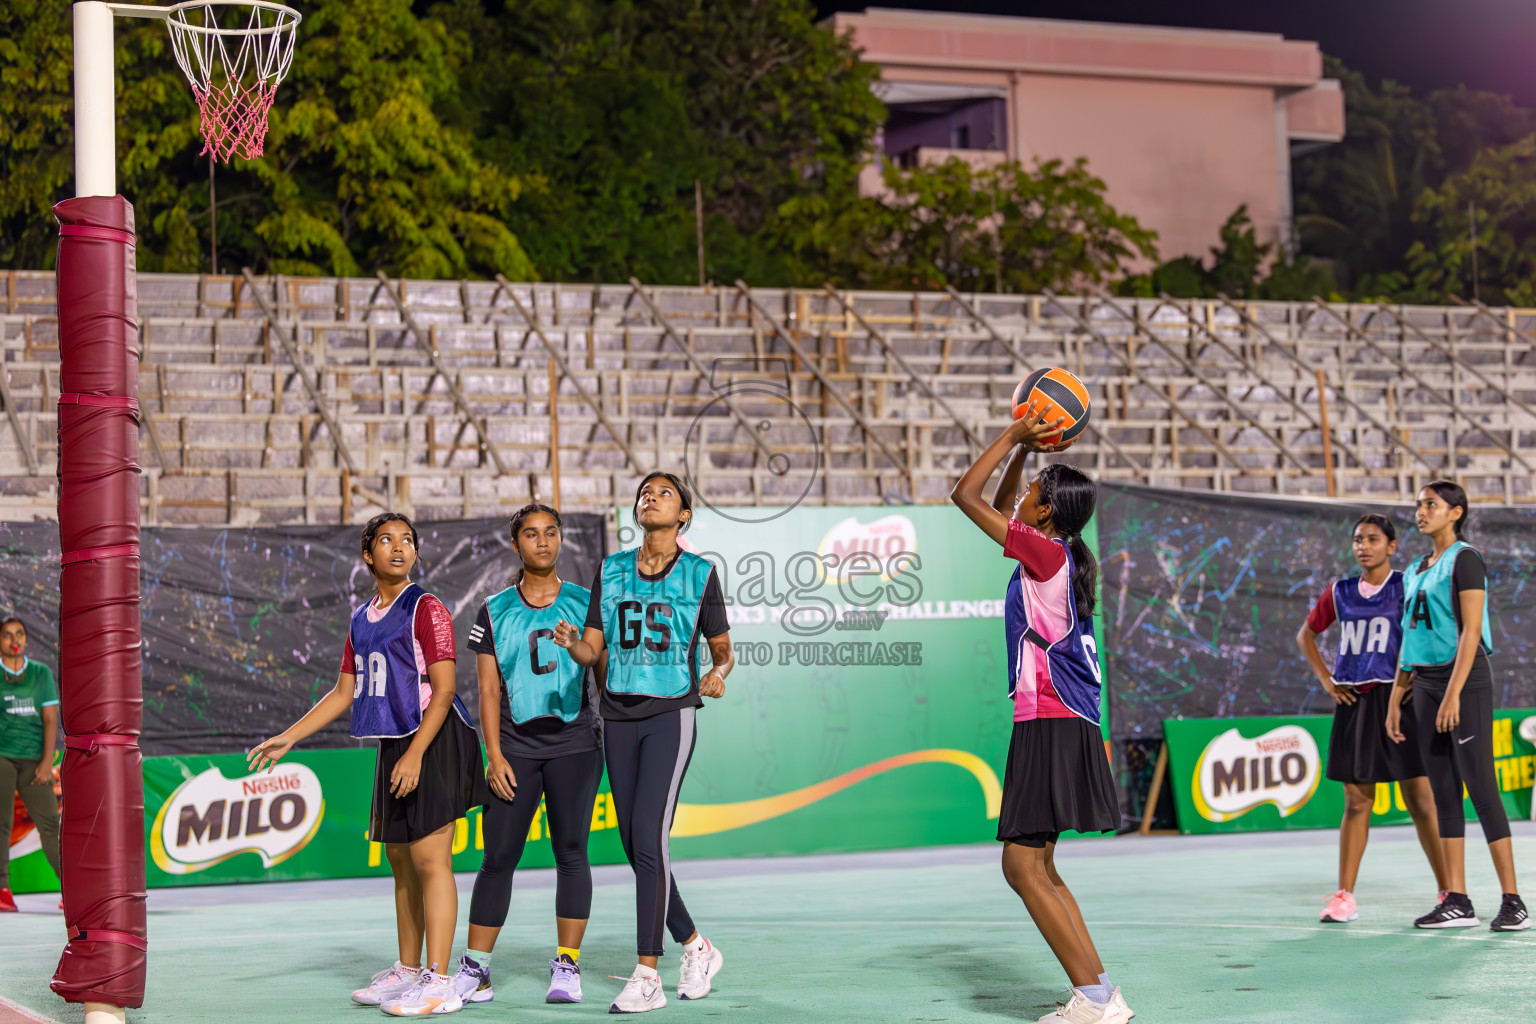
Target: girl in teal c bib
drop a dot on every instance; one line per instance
(1444, 666)
(543, 742)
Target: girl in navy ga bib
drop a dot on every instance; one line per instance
(1058, 774)
(397, 680)
(1367, 610)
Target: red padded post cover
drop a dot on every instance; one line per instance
(100, 680)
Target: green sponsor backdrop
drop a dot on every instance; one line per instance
(802, 755)
(1515, 759)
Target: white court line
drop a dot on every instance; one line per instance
(25, 1013)
(1418, 933)
(1021, 921)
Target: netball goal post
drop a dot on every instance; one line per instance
(234, 54)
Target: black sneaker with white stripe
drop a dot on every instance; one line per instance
(1455, 911)
(1512, 916)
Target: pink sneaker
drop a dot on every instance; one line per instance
(1340, 908)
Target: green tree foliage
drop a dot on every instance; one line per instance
(1003, 228)
(1499, 191)
(360, 172)
(1241, 267)
(616, 108)
(1356, 200)
(562, 139)
(157, 119)
(562, 90)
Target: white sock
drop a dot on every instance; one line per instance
(1098, 994)
(697, 945)
(646, 972)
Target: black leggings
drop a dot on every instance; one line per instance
(569, 786)
(646, 764)
(1462, 756)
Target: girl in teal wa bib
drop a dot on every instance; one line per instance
(654, 609)
(1446, 643)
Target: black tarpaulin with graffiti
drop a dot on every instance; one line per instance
(1203, 594)
(243, 628)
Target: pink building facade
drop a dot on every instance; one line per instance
(1183, 125)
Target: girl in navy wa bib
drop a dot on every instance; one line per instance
(1368, 609)
(544, 743)
(656, 613)
(1444, 661)
(1058, 775)
(397, 680)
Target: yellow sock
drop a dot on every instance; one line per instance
(572, 952)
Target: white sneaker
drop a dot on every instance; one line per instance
(564, 981)
(1082, 1010)
(642, 992)
(433, 994)
(473, 983)
(388, 984)
(697, 969)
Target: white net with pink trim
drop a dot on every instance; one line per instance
(234, 54)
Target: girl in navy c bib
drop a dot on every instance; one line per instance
(397, 680)
(1058, 774)
(1368, 610)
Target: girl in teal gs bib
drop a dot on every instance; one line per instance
(1444, 659)
(655, 612)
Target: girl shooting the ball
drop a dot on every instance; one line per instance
(1058, 777)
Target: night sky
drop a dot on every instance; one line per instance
(1427, 44)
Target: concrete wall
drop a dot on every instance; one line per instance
(1181, 156)
(1183, 125)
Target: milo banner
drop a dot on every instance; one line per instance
(209, 821)
(868, 709)
(869, 706)
(1254, 774)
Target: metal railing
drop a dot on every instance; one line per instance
(307, 400)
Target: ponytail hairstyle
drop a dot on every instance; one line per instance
(683, 495)
(516, 524)
(371, 533)
(1381, 522)
(1072, 495)
(1453, 495)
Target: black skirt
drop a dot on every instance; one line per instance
(1359, 749)
(452, 781)
(1058, 779)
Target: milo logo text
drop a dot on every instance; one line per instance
(1235, 774)
(210, 819)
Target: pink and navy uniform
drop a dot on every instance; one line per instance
(1053, 659)
(389, 650)
(1370, 622)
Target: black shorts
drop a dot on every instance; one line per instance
(1359, 749)
(452, 781)
(1057, 779)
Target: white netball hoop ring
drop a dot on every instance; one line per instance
(234, 90)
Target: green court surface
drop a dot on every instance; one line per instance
(1203, 929)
